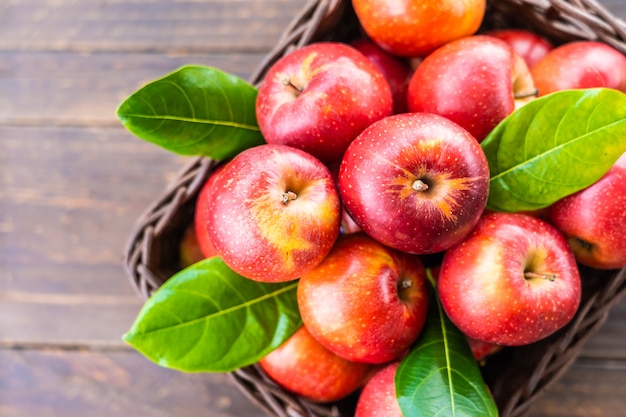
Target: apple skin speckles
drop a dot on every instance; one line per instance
(511, 282)
(415, 182)
(376, 328)
(274, 213)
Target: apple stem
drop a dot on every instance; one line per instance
(419, 185)
(532, 93)
(288, 83)
(530, 275)
(289, 196)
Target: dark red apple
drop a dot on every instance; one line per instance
(594, 220)
(416, 182)
(512, 282)
(528, 44)
(365, 302)
(274, 213)
(320, 97)
(475, 81)
(304, 367)
(397, 71)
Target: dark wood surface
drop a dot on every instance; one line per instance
(73, 182)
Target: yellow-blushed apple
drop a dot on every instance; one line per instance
(274, 213)
(593, 220)
(474, 81)
(512, 281)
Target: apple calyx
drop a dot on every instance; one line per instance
(289, 196)
(419, 185)
(404, 284)
(546, 276)
(578, 243)
(405, 288)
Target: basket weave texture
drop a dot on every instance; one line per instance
(516, 376)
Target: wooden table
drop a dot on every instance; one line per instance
(73, 181)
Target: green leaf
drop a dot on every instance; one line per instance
(195, 110)
(440, 376)
(554, 146)
(207, 318)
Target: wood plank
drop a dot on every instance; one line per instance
(81, 193)
(64, 88)
(110, 383)
(591, 388)
(31, 320)
(178, 26)
(608, 343)
(68, 200)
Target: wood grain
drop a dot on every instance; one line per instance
(590, 388)
(140, 26)
(79, 383)
(64, 224)
(85, 89)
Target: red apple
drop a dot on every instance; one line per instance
(397, 71)
(594, 220)
(304, 367)
(415, 28)
(274, 213)
(513, 281)
(476, 82)
(529, 45)
(416, 182)
(580, 64)
(365, 302)
(320, 97)
(378, 396)
(201, 214)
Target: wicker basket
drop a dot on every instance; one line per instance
(516, 376)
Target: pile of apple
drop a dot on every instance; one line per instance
(373, 169)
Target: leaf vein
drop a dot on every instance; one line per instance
(194, 120)
(228, 310)
(557, 148)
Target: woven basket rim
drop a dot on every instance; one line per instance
(149, 264)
